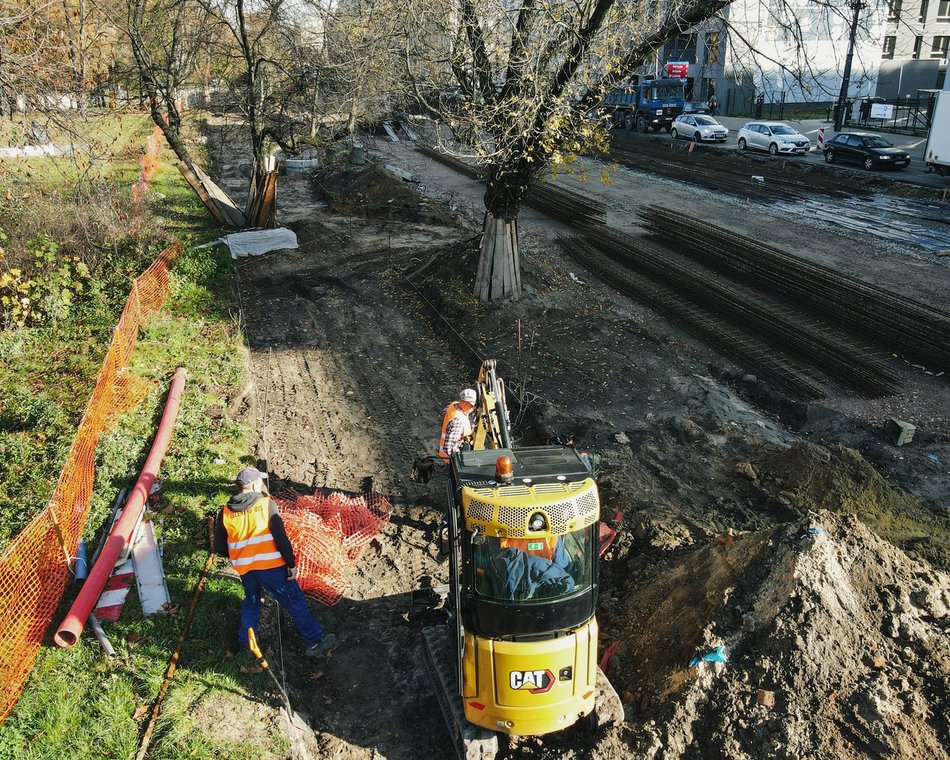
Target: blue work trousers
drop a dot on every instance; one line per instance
(286, 593)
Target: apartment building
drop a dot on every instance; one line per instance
(915, 48)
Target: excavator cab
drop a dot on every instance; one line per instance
(523, 551)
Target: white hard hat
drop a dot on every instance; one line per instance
(468, 395)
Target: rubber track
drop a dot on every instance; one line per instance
(471, 742)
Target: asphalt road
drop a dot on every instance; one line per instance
(916, 173)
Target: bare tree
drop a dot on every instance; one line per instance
(167, 37)
(528, 72)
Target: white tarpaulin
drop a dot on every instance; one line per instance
(256, 242)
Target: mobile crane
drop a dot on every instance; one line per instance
(518, 653)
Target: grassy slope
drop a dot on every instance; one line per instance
(77, 703)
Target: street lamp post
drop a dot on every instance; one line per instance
(856, 6)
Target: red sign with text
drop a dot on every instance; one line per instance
(677, 70)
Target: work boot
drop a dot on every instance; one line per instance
(321, 646)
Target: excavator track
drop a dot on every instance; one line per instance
(471, 742)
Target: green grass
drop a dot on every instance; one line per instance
(106, 144)
(77, 703)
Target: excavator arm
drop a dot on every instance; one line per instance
(490, 430)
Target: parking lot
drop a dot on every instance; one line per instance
(916, 173)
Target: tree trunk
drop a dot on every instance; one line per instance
(499, 267)
(499, 264)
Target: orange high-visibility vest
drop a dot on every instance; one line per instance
(546, 548)
(451, 411)
(250, 543)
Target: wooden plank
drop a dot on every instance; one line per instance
(516, 258)
(408, 130)
(231, 212)
(498, 267)
(267, 211)
(390, 131)
(480, 270)
(200, 191)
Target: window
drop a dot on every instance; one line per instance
(943, 10)
(894, 10)
(889, 43)
(712, 48)
(918, 46)
(520, 569)
(939, 47)
(682, 48)
(924, 7)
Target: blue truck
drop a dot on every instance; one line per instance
(645, 104)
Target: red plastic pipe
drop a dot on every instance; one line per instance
(121, 533)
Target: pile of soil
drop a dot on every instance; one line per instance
(834, 645)
(372, 192)
(839, 479)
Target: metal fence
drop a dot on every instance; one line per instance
(904, 115)
(901, 115)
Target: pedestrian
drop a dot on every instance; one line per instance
(456, 424)
(250, 533)
(712, 105)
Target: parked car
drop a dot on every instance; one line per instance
(871, 151)
(772, 136)
(698, 127)
(696, 106)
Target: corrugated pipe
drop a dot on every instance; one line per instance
(121, 533)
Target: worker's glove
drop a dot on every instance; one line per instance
(292, 573)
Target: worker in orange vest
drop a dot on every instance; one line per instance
(251, 534)
(456, 424)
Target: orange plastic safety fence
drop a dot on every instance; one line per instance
(34, 568)
(329, 533)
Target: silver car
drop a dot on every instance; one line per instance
(772, 136)
(698, 127)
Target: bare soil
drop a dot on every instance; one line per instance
(359, 338)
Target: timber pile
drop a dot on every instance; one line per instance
(261, 210)
(499, 275)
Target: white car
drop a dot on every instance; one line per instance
(698, 127)
(772, 136)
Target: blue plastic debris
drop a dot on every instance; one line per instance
(717, 655)
(811, 532)
(933, 458)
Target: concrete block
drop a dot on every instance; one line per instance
(899, 432)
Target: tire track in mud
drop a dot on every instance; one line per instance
(340, 407)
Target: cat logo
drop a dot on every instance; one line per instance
(534, 681)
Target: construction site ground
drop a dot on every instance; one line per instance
(733, 528)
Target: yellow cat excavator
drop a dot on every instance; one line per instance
(518, 653)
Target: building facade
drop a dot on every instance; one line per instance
(780, 51)
(915, 48)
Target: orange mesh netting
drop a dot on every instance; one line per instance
(34, 568)
(329, 533)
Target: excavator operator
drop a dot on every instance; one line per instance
(456, 424)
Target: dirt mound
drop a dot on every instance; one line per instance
(372, 192)
(833, 644)
(839, 479)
